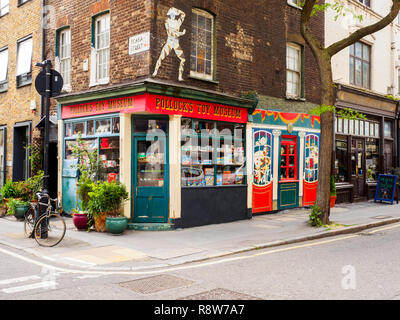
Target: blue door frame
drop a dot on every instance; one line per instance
(150, 204)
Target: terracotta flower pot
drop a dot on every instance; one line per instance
(333, 201)
(80, 221)
(100, 222)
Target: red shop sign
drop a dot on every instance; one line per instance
(195, 109)
(159, 105)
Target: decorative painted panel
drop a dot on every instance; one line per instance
(311, 156)
(262, 170)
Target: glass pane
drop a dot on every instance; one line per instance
(68, 130)
(365, 75)
(356, 127)
(361, 128)
(150, 163)
(109, 155)
(376, 129)
(90, 127)
(366, 128)
(78, 128)
(115, 126)
(358, 72)
(150, 126)
(103, 126)
(358, 49)
(388, 129)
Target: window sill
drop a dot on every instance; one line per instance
(294, 6)
(295, 98)
(99, 83)
(203, 79)
(24, 84)
(3, 15)
(21, 4)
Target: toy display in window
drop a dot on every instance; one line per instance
(262, 158)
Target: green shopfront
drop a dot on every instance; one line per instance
(180, 152)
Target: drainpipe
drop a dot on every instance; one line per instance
(42, 99)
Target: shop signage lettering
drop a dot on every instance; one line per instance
(97, 107)
(157, 104)
(198, 109)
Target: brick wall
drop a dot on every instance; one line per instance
(15, 103)
(251, 44)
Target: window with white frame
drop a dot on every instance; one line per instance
(295, 2)
(360, 64)
(4, 7)
(24, 61)
(3, 69)
(202, 52)
(293, 70)
(65, 55)
(102, 47)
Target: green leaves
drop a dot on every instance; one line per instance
(337, 6)
(343, 113)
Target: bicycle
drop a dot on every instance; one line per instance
(49, 228)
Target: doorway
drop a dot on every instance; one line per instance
(21, 141)
(150, 171)
(358, 167)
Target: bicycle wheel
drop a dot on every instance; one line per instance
(29, 222)
(50, 230)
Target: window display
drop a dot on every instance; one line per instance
(372, 158)
(212, 153)
(341, 160)
(103, 138)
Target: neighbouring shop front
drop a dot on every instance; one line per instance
(364, 148)
(182, 157)
(285, 153)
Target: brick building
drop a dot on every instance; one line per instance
(134, 69)
(20, 112)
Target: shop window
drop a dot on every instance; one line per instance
(262, 158)
(341, 160)
(24, 61)
(202, 51)
(109, 155)
(212, 153)
(311, 158)
(103, 138)
(3, 70)
(372, 158)
(288, 158)
(388, 129)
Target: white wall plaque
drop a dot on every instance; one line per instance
(139, 43)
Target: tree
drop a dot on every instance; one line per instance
(323, 56)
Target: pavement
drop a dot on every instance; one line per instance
(144, 250)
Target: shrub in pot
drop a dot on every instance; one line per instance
(83, 219)
(106, 199)
(17, 208)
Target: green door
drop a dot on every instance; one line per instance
(150, 179)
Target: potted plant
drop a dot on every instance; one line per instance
(333, 191)
(82, 219)
(90, 169)
(9, 191)
(17, 208)
(3, 208)
(105, 203)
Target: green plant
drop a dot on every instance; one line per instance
(89, 165)
(35, 184)
(10, 190)
(85, 185)
(13, 203)
(333, 186)
(107, 197)
(314, 216)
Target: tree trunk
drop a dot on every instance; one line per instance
(326, 141)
